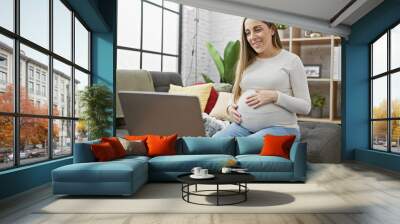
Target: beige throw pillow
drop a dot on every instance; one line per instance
(201, 91)
(134, 147)
(219, 110)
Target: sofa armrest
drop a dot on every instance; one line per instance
(298, 155)
(83, 152)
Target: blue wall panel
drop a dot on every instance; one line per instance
(24, 178)
(356, 84)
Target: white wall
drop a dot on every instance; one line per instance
(214, 27)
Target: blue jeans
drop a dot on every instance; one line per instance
(235, 130)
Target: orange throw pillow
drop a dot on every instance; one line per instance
(136, 137)
(277, 145)
(161, 145)
(116, 145)
(103, 152)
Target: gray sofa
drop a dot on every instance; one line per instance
(323, 139)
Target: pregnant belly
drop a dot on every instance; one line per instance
(264, 116)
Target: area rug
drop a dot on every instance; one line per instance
(167, 198)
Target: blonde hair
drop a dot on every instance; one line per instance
(248, 55)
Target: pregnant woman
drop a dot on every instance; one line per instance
(270, 86)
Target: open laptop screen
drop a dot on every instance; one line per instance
(161, 113)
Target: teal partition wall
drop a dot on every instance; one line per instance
(104, 52)
(356, 99)
(100, 16)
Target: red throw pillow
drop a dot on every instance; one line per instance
(116, 145)
(161, 145)
(212, 99)
(277, 145)
(103, 151)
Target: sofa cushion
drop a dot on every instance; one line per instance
(201, 91)
(212, 100)
(257, 163)
(185, 163)
(83, 152)
(249, 145)
(112, 171)
(277, 145)
(116, 145)
(161, 145)
(103, 152)
(206, 145)
(162, 80)
(219, 110)
(132, 80)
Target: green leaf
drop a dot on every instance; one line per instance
(206, 78)
(231, 56)
(96, 104)
(219, 62)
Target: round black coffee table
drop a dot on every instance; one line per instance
(238, 179)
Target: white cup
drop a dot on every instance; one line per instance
(196, 171)
(226, 170)
(203, 172)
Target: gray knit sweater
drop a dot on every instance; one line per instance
(284, 73)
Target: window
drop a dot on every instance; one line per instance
(3, 72)
(38, 89)
(30, 72)
(30, 87)
(150, 40)
(385, 94)
(3, 61)
(45, 131)
(3, 78)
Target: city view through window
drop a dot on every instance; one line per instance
(32, 130)
(385, 82)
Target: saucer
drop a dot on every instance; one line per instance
(208, 176)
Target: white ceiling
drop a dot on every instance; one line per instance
(315, 15)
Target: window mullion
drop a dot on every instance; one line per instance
(50, 81)
(162, 35)
(141, 34)
(16, 84)
(389, 104)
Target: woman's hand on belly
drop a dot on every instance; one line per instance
(261, 97)
(234, 114)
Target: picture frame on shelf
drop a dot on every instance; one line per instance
(312, 70)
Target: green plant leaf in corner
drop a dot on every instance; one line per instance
(219, 62)
(206, 78)
(231, 56)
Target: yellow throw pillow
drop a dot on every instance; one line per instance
(219, 110)
(201, 91)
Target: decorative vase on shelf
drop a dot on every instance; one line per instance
(316, 112)
(312, 34)
(317, 102)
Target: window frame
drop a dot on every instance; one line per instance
(16, 115)
(388, 74)
(161, 53)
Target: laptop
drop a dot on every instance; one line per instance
(161, 113)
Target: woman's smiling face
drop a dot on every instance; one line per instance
(258, 34)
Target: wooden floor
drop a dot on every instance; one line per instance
(377, 188)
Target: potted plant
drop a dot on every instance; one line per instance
(226, 66)
(281, 28)
(317, 102)
(96, 104)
